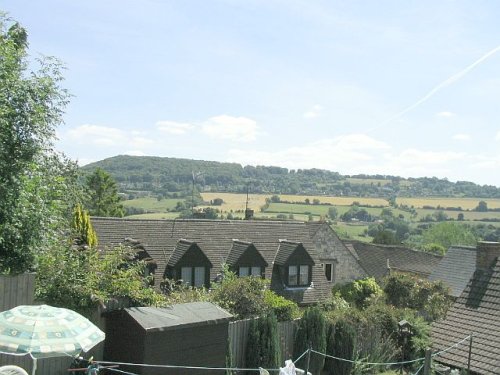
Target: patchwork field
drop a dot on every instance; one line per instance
(151, 204)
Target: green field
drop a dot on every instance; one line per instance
(155, 215)
(150, 204)
(351, 231)
(468, 215)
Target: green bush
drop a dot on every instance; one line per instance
(341, 343)
(311, 331)
(263, 346)
(283, 308)
(361, 293)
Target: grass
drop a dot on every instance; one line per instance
(468, 215)
(151, 204)
(155, 215)
(348, 231)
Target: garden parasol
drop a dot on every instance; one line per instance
(44, 331)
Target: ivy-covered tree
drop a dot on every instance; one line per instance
(103, 199)
(33, 177)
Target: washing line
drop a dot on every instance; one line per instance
(451, 347)
(369, 363)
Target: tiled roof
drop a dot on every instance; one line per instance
(476, 311)
(286, 250)
(239, 248)
(456, 268)
(181, 248)
(374, 259)
(215, 239)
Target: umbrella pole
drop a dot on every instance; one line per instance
(33, 371)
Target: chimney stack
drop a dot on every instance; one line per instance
(486, 253)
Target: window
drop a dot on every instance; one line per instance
(329, 271)
(247, 271)
(298, 275)
(193, 276)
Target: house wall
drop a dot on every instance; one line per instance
(331, 249)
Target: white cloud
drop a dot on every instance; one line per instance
(239, 129)
(445, 114)
(107, 137)
(135, 153)
(461, 137)
(97, 135)
(172, 127)
(314, 112)
(497, 137)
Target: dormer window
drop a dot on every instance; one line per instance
(295, 264)
(246, 260)
(189, 264)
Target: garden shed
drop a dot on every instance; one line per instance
(187, 334)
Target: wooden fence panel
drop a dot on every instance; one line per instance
(16, 290)
(238, 338)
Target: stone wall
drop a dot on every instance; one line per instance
(331, 249)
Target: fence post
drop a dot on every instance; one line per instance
(308, 358)
(428, 361)
(470, 354)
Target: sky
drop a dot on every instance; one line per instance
(406, 88)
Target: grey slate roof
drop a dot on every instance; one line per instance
(215, 239)
(476, 311)
(183, 314)
(286, 249)
(181, 248)
(239, 248)
(373, 258)
(456, 268)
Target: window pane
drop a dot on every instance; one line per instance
(199, 276)
(256, 271)
(304, 275)
(292, 275)
(243, 271)
(186, 275)
(328, 271)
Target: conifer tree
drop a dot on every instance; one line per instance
(311, 333)
(341, 344)
(85, 234)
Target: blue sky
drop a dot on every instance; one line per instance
(389, 87)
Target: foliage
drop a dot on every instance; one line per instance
(311, 332)
(241, 296)
(341, 343)
(82, 226)
(33, 178)
(79, 279)
(103, 197)
(282, 308)
(407, 291)
(385, 237)
(482, 206)
(447, 234)
(263, 346)
(360, 292)
(335, 302)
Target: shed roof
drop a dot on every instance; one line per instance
(476, 311)
(456, 268)
(176, 316)
(374, 259)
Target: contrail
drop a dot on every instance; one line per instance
(439, 87)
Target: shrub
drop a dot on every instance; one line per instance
(360, 292)
(283, 309)
(263, 346)
(311, 331)
(341, 343)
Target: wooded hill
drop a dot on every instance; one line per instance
(161, 175)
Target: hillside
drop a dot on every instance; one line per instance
(160, 175)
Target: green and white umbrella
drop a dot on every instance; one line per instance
(45, 331)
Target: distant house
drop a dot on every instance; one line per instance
(194, 250)
(456, 268)
(340, 263)
(379, 261)
(187, 334)
(477, 312)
